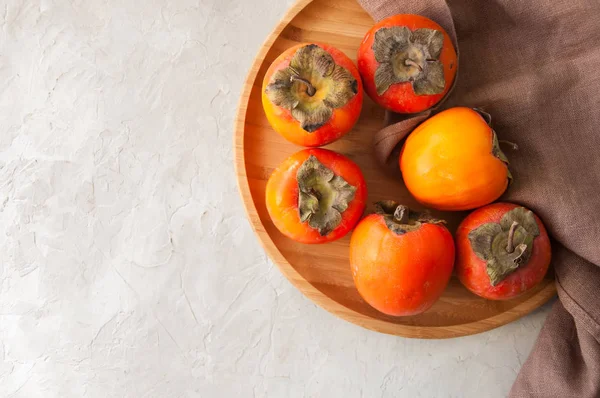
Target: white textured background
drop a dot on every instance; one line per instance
(127, 267)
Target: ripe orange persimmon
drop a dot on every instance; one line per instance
(503, 250)
(401, 260)
(407, 63)
(316, 196)
(452, 161)
(312, 94)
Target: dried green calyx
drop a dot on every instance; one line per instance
(322, 196)
(496, 151)
(409, 56)
(311, 87)
(507, 245)
(400, 219)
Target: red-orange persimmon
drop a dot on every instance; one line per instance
(316, 196)
(401, 260)
(503, 250)
(312, 94)
(407, 63)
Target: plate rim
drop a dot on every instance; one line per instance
(304, 286)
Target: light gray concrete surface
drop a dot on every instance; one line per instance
(127, 267)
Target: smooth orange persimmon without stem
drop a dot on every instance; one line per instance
(452, 161)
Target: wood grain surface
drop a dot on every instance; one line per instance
(322, 272)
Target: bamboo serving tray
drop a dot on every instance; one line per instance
(322, 272)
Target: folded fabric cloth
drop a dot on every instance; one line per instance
(532, 66)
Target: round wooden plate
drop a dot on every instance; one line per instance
(322, 272)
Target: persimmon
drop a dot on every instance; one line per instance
(407, 63)
(316, 196)
(401, 260)
(312, 94)
(503, 250)
(453, 161)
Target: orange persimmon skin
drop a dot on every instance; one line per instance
(447, 162)
(340, 123)
(472, 270)
(400, 275)
(400, 97)
(282, 196)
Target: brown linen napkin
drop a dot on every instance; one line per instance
(533, 66)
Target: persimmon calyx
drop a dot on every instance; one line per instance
(400, 219)
(322, 196)
(496, 151)
(406, 56)
(311, 87)
(507, 245)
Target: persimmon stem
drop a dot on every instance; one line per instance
(310, 89)
(511, 236)
(513, 146)
(410, 62)
(402, 214)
